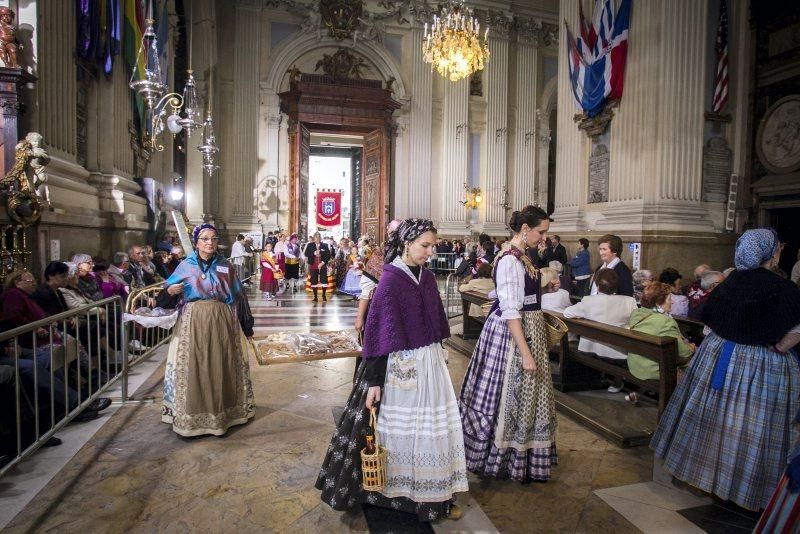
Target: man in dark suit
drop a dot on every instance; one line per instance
(559, 251)
(610, 248)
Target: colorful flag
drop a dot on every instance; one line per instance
(111, 21)
(597, 66)
(721, 81)
(329, 208)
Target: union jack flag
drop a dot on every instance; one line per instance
(597, 58)
(721, 81)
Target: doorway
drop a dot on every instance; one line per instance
(335, 167)
(786, 221)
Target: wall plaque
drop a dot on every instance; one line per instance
(716, 170)
(598, 174)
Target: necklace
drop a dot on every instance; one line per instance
(201, 263)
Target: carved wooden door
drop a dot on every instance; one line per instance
(374, 187)
(300, 140)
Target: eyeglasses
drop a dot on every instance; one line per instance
(208, 239)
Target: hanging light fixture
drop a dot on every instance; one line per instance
(453, 43)
(209, 147)
(192, 117)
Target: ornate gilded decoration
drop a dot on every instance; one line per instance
(596, 125)
(23, 204)
(341, 65)
(341, 17)
(454, 46)
(8, 38)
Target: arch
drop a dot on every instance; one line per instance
(301, 43)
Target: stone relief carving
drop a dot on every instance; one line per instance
(372, 199)
(341, 17)
(342, 64)
(778, 138)
(500, 24)
(535, 32)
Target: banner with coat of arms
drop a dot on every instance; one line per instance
(329, 208)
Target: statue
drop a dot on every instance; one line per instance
(23, 204)
(39, 160)
(369, 28)
(313, 20)
(8, 38)
(341, 65)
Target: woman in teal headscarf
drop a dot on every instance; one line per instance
(728, 427)
(207, 385)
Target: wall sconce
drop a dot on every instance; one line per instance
(473, 197)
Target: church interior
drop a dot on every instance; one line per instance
(206, 201)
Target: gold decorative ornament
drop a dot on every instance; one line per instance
(341, 17)
(453, 44)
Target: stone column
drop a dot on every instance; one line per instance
(496, 82)
(455, 139)
(522, 189)
(542, 141)
(416, 186)
(245, 116)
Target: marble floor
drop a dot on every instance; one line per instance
(135, 475)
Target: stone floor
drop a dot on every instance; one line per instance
(136, 475)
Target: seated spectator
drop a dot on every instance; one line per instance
(565, 281)
(481, 283)
(654, 318)
(86, 283)
(553, 297)
(708, 282)
(680, 302)
(795, 273)
(176, 256)
(72, 294)
(160, 261)
(109, 285)
(48, 296)
(699, 271)
(19, 309)
(609, 247)
(488, 251)
(581, 268)
(119, 268)
(605, 307)
(139, 268)
(80, 257)
(641, 279)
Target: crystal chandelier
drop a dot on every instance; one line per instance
(454, 45)
(209, 148)
(192, 118)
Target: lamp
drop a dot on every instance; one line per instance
(192, 118)
(473, 197)
(454, 46)
(209, 147)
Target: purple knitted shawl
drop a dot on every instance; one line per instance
(404, 315)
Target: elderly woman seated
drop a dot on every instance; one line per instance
(641, 279)
(654, 318)
(566, 281)
(554, 298)
(606, 307)
(680, 302)
(481, 283)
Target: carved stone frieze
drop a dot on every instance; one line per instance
(342, 65)
(536, 32)
(500, 24)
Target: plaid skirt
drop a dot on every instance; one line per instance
(731, 438)
(508, 415)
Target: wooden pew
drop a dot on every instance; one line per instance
(472, 325)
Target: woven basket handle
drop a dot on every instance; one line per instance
(373, 422)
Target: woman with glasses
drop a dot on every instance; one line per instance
(207, 385)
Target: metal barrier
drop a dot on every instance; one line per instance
(452, 297)
(72, 358)
(443, 262)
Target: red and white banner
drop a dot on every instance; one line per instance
(329, 208)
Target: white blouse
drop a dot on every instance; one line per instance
(510, 276)
(558, 301)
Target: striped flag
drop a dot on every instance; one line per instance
(597, 65)
(721, 81)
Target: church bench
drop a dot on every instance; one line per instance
(663, 350)
(472, 325)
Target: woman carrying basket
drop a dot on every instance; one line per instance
(507, 404)
(418, 423)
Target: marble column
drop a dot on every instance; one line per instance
(245, 116)
(416, 186)
(522, 189)
(496, 84)
(453, 158)
(573, 146)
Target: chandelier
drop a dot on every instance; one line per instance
(454, 46)
(209, 148)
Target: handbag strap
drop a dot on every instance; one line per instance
(373, 422)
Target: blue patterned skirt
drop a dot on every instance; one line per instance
(731, 438)
(508, 415)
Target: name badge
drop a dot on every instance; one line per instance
(529, 299)
(222, 269)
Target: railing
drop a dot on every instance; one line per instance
(452, 297)
(443, 262)
(81, 351)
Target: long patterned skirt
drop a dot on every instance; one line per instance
(351, 285)
(728, 426)
(509, 415)
(207, 385)
(340, 475)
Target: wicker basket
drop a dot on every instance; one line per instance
(373, 466)
(556, 329)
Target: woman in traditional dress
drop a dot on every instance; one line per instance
(418, 423)
(728, 426)
(270, 273)
(341, 261)
(507, 404)
(207, 385)
(292, 254)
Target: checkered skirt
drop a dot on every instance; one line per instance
(484, 414)
(732, 442)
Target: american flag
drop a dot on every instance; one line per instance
(721, 82)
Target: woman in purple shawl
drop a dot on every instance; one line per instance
(404, 368)
(507, 403)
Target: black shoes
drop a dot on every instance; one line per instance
(53, 442)
(99, 405)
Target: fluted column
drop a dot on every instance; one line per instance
(523, 187)
(496, 80)
(245, 114)
(455, 139)
(417, 185)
